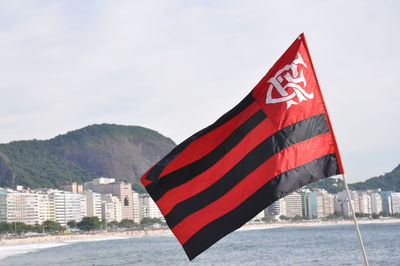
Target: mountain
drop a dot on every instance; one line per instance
(123, 152)
(387, 182)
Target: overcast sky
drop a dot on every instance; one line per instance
(176, 66)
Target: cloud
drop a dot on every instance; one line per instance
(176, 66)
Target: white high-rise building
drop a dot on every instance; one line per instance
(136, 207)
(345, 205)
(46, 207)
(20, 207)
(320, 205)
(149, 207)
(93, 204)
(111, 208)
(68, 206)
(376, 203)
(346, 208)
(277, 208)
(294, 205)
(364, 201)
(395, 202)
(338, 204)
(328, 202)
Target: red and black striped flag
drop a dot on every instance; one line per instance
(276, 140)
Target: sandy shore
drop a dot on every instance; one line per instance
(140, 233)
(67, 237)
(314, 223)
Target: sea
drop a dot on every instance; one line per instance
(307, 245)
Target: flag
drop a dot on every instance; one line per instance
(276, 140)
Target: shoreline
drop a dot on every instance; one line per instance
(78, 237)
(314, 223)
(98, 236)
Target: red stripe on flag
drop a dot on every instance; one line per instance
(205, 144)
(207, 178)
(292, 157)
(264, 130)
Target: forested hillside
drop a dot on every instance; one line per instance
(123, 152)
(387, 182)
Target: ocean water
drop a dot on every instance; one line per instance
(313, 245)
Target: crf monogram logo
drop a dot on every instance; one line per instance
(289, 77)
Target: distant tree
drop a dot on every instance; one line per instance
(335, 215)
(396, 215)
(375, 216)
(331, 184)
(71, 224)
(6, 228)
(150, 221)
(89, 223)
(52, 227)
(38, 228)
(113, 224)
(338, 214)
(127, 223)
(21, 227)
(269, 219)
(298, 218)
(285, 218)
(362, 215)
(383, 214)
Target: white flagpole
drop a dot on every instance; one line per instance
(356, 223)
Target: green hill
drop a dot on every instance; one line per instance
(123, 152)
(387, 182)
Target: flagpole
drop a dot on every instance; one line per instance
(355, 222)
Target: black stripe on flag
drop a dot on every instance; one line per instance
(275, 189)
(155, 172)
(295, 133)
(190, 171)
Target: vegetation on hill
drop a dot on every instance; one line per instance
(331, 184)
(387, 182)
(123, 152)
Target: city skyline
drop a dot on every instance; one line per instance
(110, 200)
(104, 198)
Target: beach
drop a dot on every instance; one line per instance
(89, 236)
(314, 223)
(140, 233)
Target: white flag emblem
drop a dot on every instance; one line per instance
(290, 75)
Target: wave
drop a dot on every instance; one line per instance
(97, 239)
(13, 250)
